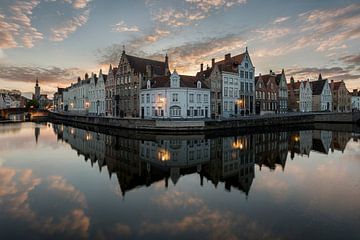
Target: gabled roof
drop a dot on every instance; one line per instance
(337, 85)
(294, 86)
(317, 86)
(185, 81)
(224, 65)
(139, 64)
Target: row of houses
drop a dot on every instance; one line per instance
(145, 88)
(11, 99)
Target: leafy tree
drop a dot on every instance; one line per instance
(32, 104)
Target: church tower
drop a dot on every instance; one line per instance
(37, 90)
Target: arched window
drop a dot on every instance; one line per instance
(175, 111)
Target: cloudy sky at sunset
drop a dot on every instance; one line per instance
(58, 40)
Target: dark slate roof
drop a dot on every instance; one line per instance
(185, 81)
(139, 64)
(317, 86)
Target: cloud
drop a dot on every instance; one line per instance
(280, 20)
(16, 27)
(352, 61)
(123, 27)
(51, 76)
(63, 31)
(192, 11)
(332, 73)
(271, 33)
(79, 4)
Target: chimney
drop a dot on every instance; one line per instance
(271, 72)
(79, 79)
(213, 62)
(320, 77)
(227, 57)
(166, 65)
(86, 76)
(201, 67)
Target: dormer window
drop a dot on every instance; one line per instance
(174, 80)
(246, 65)
(148, 84)
(198, 84)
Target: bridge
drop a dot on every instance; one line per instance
(30, 112)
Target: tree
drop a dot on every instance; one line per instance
(32, 104)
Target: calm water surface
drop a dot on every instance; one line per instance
(63, 182)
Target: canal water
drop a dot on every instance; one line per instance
(59, 182)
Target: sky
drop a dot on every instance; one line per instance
(59, 40)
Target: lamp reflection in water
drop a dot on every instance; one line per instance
(163, 155)
(238, 144)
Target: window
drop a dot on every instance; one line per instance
(230, 92)
(225, 106)
(175, 111)
(152, 98)
(147, 98)
(230, 80)
(199, 111)
(198, 98)
(251, 87)
(242, 87)
(246, 65)
(225, 91)
(206, 98)
(251, 75)
(147, 111)
(175, 97)
(236, 92)
(225, 80)
(246, 87)
(246, 75)
(242, 74)
(142, 98)
(191, 98)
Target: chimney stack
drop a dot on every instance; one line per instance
(227, 57)
(213, 62)
(201, 67)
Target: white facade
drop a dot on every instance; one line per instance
(174, 101)
(326, 98)
(305, 97)
(355, 102)
(75, 97)
(97, 94)
(2, 101)
(283, 93)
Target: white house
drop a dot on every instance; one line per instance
(305, 99)
(75, 97)
(97, 94)
(175, 97)
(355, 100)
(2, 101)
(322, 97)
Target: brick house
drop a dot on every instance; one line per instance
(266, 94)
(341, 97)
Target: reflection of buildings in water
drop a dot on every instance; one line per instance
(340, 140)
(141, 163)
(232, 161)
(176, 154)
(37, 133)
(271, 149)
(89, 144)
(321, 141)
(300, 143)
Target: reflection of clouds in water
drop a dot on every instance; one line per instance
(15, 187)
(219, 225)
(172, 199)
(117, 231)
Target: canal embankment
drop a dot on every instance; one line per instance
(187, 126)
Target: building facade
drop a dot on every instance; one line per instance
(96, 94)
(355, 100)
(132, 74)
(341, 97)
(232, 86)
(299, 96)
(75, 97)
(282, 92)
(266, 94)
(322, 98)
(175, 97)
(110, 92)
